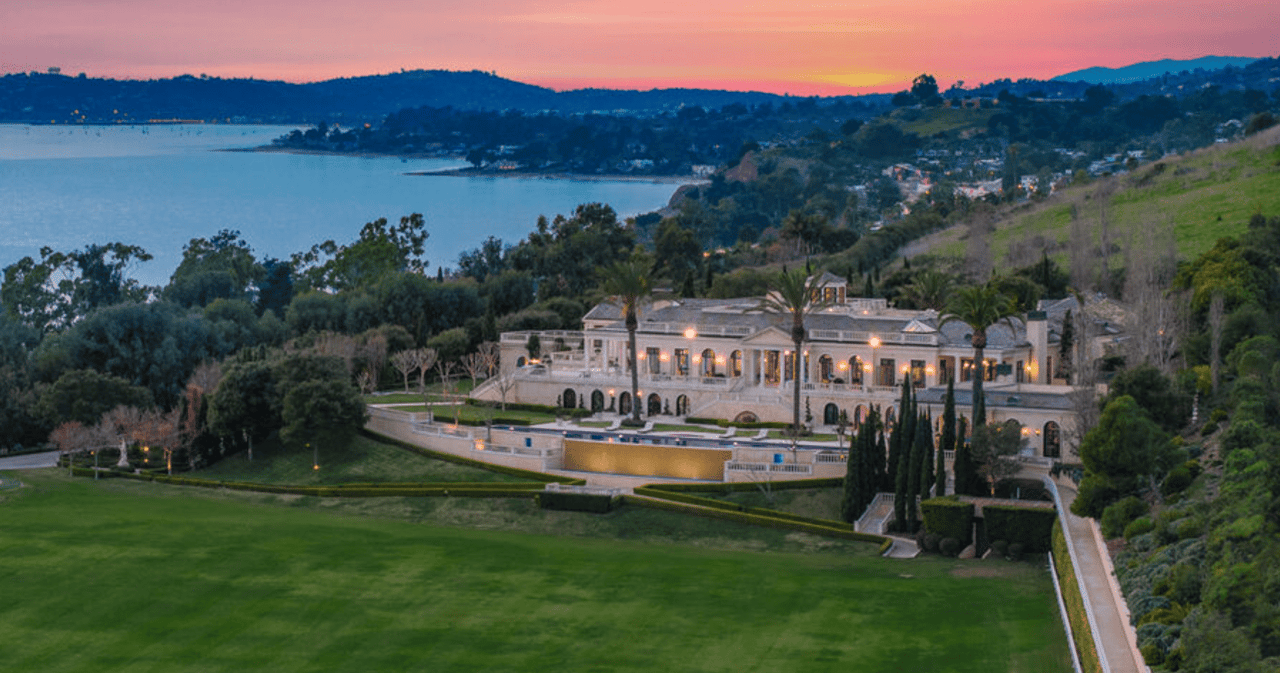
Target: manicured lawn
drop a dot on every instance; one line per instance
(363, 461)
(117, 575)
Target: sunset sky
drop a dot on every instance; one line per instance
(782, 46)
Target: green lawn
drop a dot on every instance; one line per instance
(115, 575)
(364, 461)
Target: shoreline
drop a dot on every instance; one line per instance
(472, 172)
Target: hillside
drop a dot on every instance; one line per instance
(1149, 69)
(1205, 194)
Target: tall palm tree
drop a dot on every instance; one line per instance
(980, 307)
(797, 296)
(628, 283)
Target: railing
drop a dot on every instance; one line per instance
(871, 521)
(519, 450)
(703, 331)
(589, 490)
(784, 468)
(825, 457)
(431, 430)
(848, 336)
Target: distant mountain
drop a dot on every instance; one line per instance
(1141, 71)
(57, 98)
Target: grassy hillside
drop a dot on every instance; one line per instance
(1202, 196)
(130, 576)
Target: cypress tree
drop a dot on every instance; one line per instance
(851, 505)
(948, 439)
(924, 441)
(963, 464)
(872, 456)
(903, 438)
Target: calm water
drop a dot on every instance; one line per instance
(160, 186)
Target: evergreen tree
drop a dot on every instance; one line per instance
(852, 504)
(902, 439)
(963, 467)
(878, 450)
(924, 442)
(948, 439)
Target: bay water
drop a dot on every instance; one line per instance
(158, 186)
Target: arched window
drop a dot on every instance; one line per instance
(521, 361)
(1052, 440)
(569, 399)
(826, 369)
(655, 404)
(855, 370)
(830, 414)
(624, 403)
(889, 418)
(682, 405)
(859, 416)
(597, 401)
(735, 364)
(708, 362)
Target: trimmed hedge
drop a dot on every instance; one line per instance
(725, 423)
(759, 520)
(735, 507)
(461, 489)
(948, 517)
(1084, 644)
(450, 458)
(1031, 527)
(576, 502)
(740, 486)
(534, 408)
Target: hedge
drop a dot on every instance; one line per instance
(947, 517)
(535, 408)
(461, 489)
(759, 520)
(725, 423)
(1070, 587)
(576, 502)
(740, 486)
(450, 458)
(735, 507)
(1032, 527)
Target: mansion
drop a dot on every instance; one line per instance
(726, 359)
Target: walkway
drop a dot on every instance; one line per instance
(1109, 612)
(29, 461)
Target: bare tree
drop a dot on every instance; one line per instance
(338, 345)
(1216, 322)
(374, 353)
(444, 368)
(367, 381)
(72, 437)
(1158, 316)
(405, 362)
(978, 259)
(474, 364)
(204, 380)
(1083, 273)
(426, 357)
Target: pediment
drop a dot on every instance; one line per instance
(917, 327)
(769, 336)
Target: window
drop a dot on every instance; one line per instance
(888, 372)
(682, 361)
(735, 364)
(917, 373)
(855, 370)
(654, 357)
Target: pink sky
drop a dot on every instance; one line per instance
(782, 46)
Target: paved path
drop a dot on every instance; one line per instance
(29, 461)
(1111, 617)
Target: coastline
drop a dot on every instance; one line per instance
(472, 172)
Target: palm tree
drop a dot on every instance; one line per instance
(930, 289)
(627, 283)
(797, 296)
(980, 307)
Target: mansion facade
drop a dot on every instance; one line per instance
(726, 359)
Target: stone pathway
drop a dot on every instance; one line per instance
(1109, 612)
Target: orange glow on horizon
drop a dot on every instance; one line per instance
(829, 48)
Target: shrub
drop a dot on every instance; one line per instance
(1015, 551)
(1000, 548)
(1118, 515)
(1030, 528)
(949, 546)
(1139, 526)
(931, 542)
(948, 517)
(576, 502)
(1208, 429)
(1177, 481)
